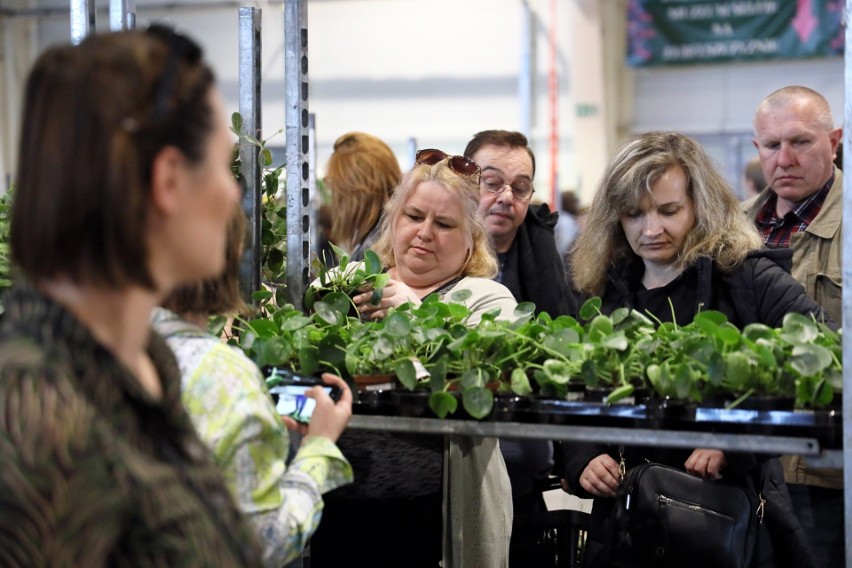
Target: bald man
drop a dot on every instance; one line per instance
(801, 209)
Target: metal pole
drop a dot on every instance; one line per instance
(314, 199)
(250, 133)
(847, 295)
(525, 78)
(82, 19)
(122, 15)
(298, 144)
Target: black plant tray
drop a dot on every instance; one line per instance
(580, 413)
(415, 404)
(824, 425)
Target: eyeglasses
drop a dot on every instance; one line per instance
(458, 164)
(521, 189)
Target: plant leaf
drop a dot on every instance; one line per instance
(327, 313)
(478, 401)
(443, 403)
(591, 308)
(406, 373)
(520, 382)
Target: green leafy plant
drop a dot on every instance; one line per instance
(273, 220)
(616, 349)
(347, 278)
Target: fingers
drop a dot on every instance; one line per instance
(376, 303)
(707, 464)
(294, 425)
(601, 476)
(330, 418)
(345, 391)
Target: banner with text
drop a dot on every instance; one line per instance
(678, 32)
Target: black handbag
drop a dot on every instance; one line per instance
(665, 517)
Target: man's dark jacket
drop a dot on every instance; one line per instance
(533, 270)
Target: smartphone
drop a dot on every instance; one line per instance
(288, 391)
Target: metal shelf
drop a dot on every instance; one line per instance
(772, 444)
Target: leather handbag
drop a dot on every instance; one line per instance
(665, 517)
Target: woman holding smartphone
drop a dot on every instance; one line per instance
(227, 399)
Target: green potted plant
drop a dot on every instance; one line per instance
(346, 278)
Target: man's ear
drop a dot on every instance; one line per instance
(167, 179)
(756, 145)
(835, 136)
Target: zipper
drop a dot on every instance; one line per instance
(761, 508)
(663, 500)
(622, 470)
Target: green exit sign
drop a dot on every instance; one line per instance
(586, 109)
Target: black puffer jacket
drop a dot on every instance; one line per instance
(759, 290)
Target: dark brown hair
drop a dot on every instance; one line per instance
(216, 296)
(505, 138)
(95, 117)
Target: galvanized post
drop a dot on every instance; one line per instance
(298, 145)
(250, 134)
(847, 294)
(314, 200)
(122, 15)
(525, 76)
(82, 19)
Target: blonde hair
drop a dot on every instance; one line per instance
(361, 175)
(722, 231)
(480, 259)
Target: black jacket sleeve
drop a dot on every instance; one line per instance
(777, 293)
(574, 458)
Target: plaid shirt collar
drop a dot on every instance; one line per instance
(778, 231)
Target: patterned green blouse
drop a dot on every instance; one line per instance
(93, 472)
(225, 395)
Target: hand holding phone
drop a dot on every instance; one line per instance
(321, 406)
(289, 390)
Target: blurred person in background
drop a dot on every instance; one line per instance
(568, 224)
(753, 180)
(361, 174)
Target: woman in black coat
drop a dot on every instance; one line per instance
(675, 242)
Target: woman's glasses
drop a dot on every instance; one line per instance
(458, 164)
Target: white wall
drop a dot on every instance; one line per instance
(441, 70)
(434, 70)
(715, 103)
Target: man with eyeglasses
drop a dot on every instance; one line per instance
(522, 234)
(530, 266)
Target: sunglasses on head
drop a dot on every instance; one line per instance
(458, 164)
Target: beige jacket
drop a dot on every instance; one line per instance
(817, 262)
